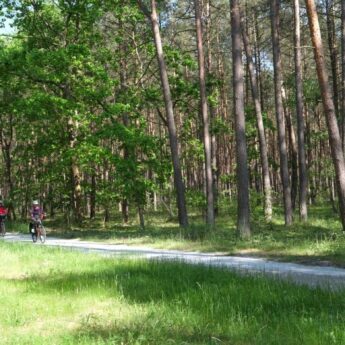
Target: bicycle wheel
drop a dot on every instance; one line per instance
(42, 233)
(34, 237)
(2, 229)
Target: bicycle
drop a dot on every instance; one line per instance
(38, 231)
(2, 226)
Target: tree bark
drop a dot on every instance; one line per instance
(210, 219)
(332, 51)
(93, 196)
(293, 151)
(275, 7)
(178, 181)
(261, 130)
(328, 104)
(76, 176)
(303, 177)
(141, 217)
(213, 110)
(243, 213)
(342, 121)
(125, 118)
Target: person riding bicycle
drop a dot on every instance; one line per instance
(36, 214)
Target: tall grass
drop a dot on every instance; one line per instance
(52, 296)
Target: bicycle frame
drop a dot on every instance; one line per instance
(39, 230)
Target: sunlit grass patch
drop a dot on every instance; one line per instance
(53, 296)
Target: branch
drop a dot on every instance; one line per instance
(144, 9)
(162, 117)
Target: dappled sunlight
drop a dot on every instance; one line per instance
(87, 299)
(319, 239)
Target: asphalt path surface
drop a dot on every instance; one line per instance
(313, 276)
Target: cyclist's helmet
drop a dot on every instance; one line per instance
(35, 202)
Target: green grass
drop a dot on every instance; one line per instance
(319, 241)
(52, 296)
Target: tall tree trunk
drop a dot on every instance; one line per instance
(76, 175)
(332, 51)
(178, 181)
(243, 213)
(293, 151)
(333, 130)
(141, 217)
(93, 196)
(342, 121)
(261, 130)
(125, 118)
(303, 177)
(206, 121)
(213, 110)
(258, 62)
(275, 4)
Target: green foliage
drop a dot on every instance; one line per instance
(311, 91)
(196, 199)
(65, 106)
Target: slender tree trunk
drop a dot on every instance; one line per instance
(141, 217)
(206, 121)
(125, 118)
(303, 177)
(333, 130)
(76, 190)
(105, 176)
(75, 172)
(332, 51)
(93, 196)
(280, 112)
(343, 73)
(293, 151)
(243, 213)
(332, 199)
(258, 63)
(261, 130)
(213, 111)
(178, 181)
(125, 210)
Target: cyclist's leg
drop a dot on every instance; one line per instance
(33, 232)
(41, 233)
(2, 225)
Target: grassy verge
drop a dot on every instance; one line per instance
(51, 296)
(319, 241)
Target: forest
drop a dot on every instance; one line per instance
(189, 159)
(123, 107)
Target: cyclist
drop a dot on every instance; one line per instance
(3, 214)
(36, 214)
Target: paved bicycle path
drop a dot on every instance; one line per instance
(312, 276)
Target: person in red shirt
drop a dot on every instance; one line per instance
(3, 213)
(3, 210)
